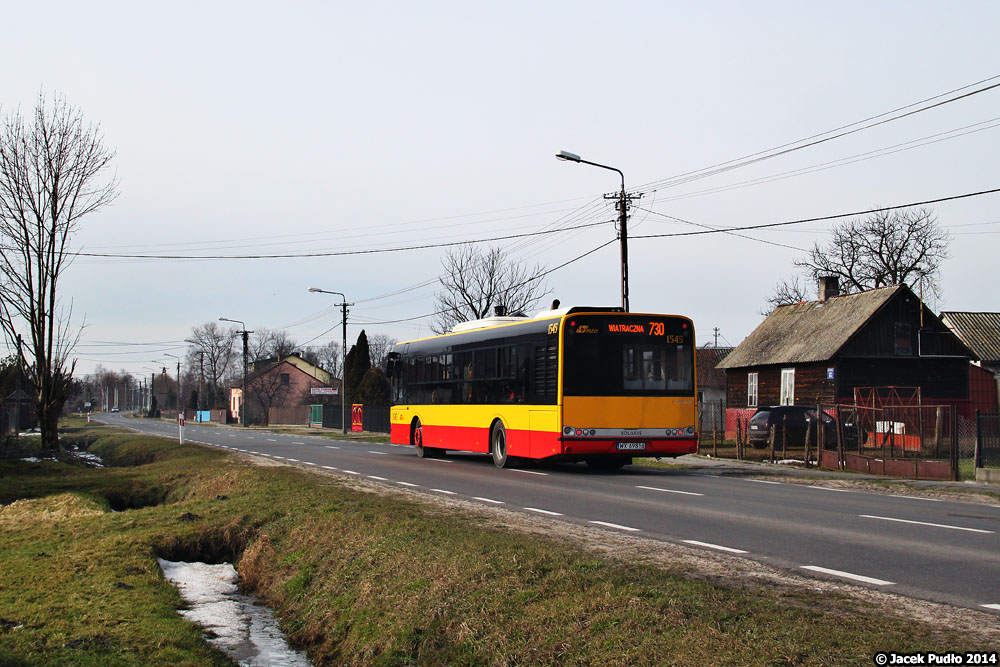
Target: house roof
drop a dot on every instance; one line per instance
(810, 331)
(979, 331)
(709, 374)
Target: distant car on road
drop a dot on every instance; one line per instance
(801, 423)
(114, 409)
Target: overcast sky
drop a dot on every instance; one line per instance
(248, 128)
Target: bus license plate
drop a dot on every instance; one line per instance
(630, 446)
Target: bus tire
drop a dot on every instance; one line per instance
(417, 438)
(609, 464)
(498, 447)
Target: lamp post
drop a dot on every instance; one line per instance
(343, 355)
(180, 387)
(246, 345)
(623, 201)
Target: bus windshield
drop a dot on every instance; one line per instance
(628, 355)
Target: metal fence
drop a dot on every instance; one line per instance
(987, 441)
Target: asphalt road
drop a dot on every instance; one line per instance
(934, 550)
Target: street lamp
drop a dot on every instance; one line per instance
(343, 355)
(623, 200)
(180, 387)
(246, 345)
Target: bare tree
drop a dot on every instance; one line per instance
(327, 357)
(52, 174)
(268, 389)
(270, 344)
(786, 292)
(889, 247)
(217, 345)
(379, 346)
(474, 282)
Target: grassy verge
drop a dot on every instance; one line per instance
(364, 578)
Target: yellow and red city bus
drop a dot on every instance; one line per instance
(580, 384)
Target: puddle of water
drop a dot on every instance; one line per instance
(244, 629)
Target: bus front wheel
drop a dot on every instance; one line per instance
(498, 447)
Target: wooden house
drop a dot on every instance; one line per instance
(981, 333)
(820, 351)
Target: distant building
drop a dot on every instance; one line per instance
(981, 333)
(711, 378)
(279, 384)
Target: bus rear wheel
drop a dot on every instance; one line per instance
(498, 447)
(609, 464)
(417, 439)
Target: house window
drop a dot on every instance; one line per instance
(751, 390)
(284, 379)
(903, 345)
(787, 386)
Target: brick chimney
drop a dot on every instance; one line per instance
(829, 286)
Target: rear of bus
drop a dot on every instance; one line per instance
(628, 386)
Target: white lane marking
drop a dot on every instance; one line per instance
(488, 500)
(995, 607)
(351, 472)
(280, 457)
(407, 484)
(926, 523)
(379, 453)
(450, 493)
(849, 575)
(933, 500)
(332, 447)
(535, 509)
(298, 443)
(614, 525)
(381, 479)
(439, 460)
(262, 454)
(719, 547)
(529, 472)
(328, 467)
(271, 440)
(763, 481)
(309, 463)
(828, 488)
(654, 488)
(231, 435)
(295, 460)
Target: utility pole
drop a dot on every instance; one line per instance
(343, 356)
(201, 377)
(716, 330)
(624, 201)
(246, 354)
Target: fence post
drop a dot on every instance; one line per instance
(784, 437)
(954, 444)
(715, 437)
(739, 439)
(937, 433)
(805, 444)
(840, 437)
(977, 457)
(771, 438)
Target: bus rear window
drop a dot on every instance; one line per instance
(604, 358)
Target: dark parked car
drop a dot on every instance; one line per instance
(801, 423)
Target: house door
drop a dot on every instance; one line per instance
(787, 386)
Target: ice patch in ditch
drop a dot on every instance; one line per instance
(243, 628)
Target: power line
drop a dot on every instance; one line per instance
(815, 139)
(820, 218)
(342, 252)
